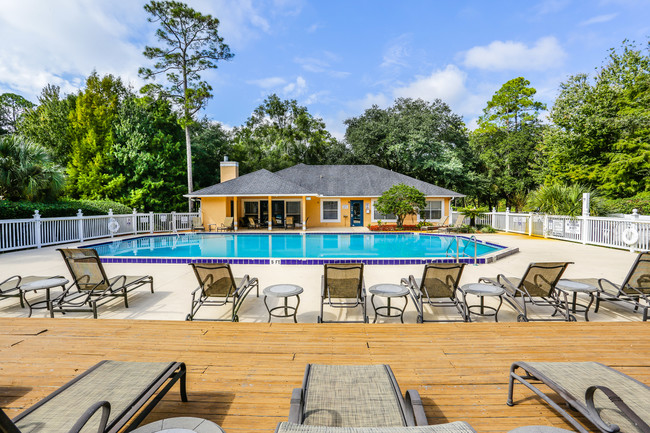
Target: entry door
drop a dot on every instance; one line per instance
(277, 212)
(264, 212)
(356, 213)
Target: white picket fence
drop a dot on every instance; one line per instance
(36, 232)
(604, 231)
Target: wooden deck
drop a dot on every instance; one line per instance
(241, 375)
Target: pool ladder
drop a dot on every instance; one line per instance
(473, 239)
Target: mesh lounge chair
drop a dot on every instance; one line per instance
(439, 280)
(217, 287)
(103, 399)
(438, 225)
(227, 225)
(10, 288)
(197, 224)
(289, 222)
(536, 287)
(252, 224)
(93, 286)
(452, 427)
(458, 224)
(609, 399)
(354, 396)
(343, 281)
(634, 290)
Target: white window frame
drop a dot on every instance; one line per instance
(442, 210)
(299, 209)
(338, 209)
(251, 201)
(372, 213)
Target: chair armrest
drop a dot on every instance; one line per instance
(18, 277)
(601, 281)
(619, 403)
(244, 282)
(322, 286)
(89, 413)
(414, 404)
(295, 409)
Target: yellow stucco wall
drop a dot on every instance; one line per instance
(213, 210)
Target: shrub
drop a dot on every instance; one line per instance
(63, 208)
(641, 202)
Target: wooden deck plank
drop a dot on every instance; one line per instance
(241, 375)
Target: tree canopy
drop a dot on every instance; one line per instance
(12, 107)
(401, 200)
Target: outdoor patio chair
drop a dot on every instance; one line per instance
(438, 287)
(458, 224)
(437, 225)
(289, 222)
(609, 399)
(197, 224)
(105, 398)
(93, 286)
(343, 282)
(634, 290)
(252, 224)
(354, 396)
(228, 224)
(10, 288)
(536, 287)
(217, 287)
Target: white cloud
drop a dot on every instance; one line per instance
(295, 89)
(599, 19)
(321, 64)
(397, 52)
(509, 55)
(312, 28)
(360, 105)
(447, 84)
(551, 6)
(268, 83)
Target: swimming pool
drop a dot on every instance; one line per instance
(311, 248)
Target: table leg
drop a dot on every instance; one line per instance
(295, 311)
(482, 304)
(372, 301)
(496, 312)
(591, 301)
(406, 302)
(267, 308)
(286, 310)
(49, 301)
(575, 300)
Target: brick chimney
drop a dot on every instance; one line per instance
(229, 169)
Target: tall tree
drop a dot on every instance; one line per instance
(49, 123)
(191, 44)
(210, 144)
(12, 107)
(422, 139)
(507, 142)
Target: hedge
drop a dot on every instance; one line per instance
(63, 208)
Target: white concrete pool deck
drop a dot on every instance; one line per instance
(173, 283)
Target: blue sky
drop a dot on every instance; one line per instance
(335, 57)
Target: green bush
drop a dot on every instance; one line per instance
(641, 202)
(63, 208)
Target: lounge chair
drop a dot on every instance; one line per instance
(117, 390)
(439, 281)
(252, 224)
(452, 427)
(93, 286)
(354, 396)
(197, 224)
(343, 281)
(458, 224)
(634, 290)
(289, 222)
(227, 225)
(438, 225)
(217, 287)
(536, 287)
(10, 288)
(609, 399)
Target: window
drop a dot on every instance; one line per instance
(432, 211)
(293, 210)
(376, 216)
(330, 211)
(250, 208)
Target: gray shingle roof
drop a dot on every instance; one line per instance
(324, 180)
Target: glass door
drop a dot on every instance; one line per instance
(277, 212)
(356, 213)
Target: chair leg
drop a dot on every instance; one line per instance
(151, 283)
(126, 302)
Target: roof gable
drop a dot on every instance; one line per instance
(260, 182)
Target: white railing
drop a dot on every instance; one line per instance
(37, 231)
(630, 232)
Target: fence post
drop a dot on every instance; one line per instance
(493, 221)
(584, 233)
(635, 217)
(530, 223)
(507, 219)
(545, 226)
(151, 222)
(134, 218)
(110, 216)
(80, 224)
(37, 228)
(173, 221)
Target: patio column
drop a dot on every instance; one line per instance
(269, 212)
(235, 205)
(303, 212)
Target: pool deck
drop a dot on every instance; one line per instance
(174, 282)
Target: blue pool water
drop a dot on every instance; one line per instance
(296, 246)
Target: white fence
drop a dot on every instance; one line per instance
(37, 232)
(627, 233)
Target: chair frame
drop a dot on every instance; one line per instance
(411, 406)
(287, 224)
(227, 228)
(634, 298)
(174, 372)
(236, 297)
(199, 227)
(588, 411)
(8, 293)
(361, 298)
(117, 287)
(556, 298)
(254, 225)
(420, 295)
(438, 225)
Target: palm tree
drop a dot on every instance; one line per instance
(27, 171)
(560, 199)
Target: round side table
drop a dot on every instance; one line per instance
(44, 284)
(283, 291)
(576, 287)
(180, 425)
(389, 291)
(482, 290)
